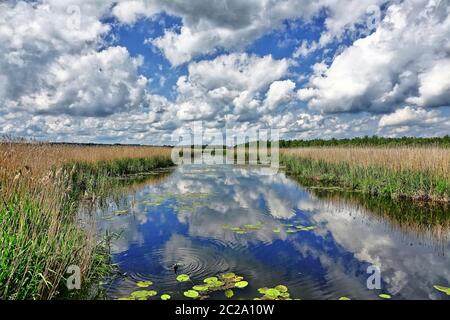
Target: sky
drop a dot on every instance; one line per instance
(128, 71)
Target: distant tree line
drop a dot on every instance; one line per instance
(368, 141)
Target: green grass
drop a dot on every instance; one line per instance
(41, 235)
(375, 180)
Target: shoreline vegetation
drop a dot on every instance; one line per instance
(402, 173)
(41, 186)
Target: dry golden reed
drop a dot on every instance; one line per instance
(436, 160)
(41, 157)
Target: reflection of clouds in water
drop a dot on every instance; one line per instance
(347, 240)
(407, 263)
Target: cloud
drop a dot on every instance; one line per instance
(230, 85)
(388, 68)
(409, 116)
(233, 24)
(279, 92)
(52, 65)
(94, 84)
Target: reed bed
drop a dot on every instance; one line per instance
(417, 173)
(40, 187)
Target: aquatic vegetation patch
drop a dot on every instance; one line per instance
(183, 278)
(241, 284)
(191, 294)
(279, 292)
(344, 298)
(385, 296)
(166, 296)
(245, 229)
(144, 284)
(143, 294)
(223, 282)
(229, 293)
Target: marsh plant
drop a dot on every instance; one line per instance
(41, 235)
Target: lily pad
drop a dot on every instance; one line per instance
(191, 294)
(200, 288)
(165, 297)
(281, 288)
(229, 275)
(385, 296)
(183, 278)
(241, 284)
(144, 284)
(344, 298)
(229, 293)
(442, 289)
(272, 293)
(240, 232)
(211, 279)
(263, 290)
(276, 231)
(143, 294)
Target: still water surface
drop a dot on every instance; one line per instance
(188, 218)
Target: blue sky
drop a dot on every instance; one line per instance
(133, 71)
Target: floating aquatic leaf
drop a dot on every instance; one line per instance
(143, 294)
(281, 288)
(238, 278)
(166, 297)
(276, 230)
(287, 225)
(344, 298)
(300, 226)
(240, 232)
(272, 293)
(229, 275)
(144, 284)
(442, 289)
(127, 298)
(183, 278)
(309, 228)
(200, 288)
(191, 294)
(284, 295)
(263, 290)
(241, 284)
(235, 229)
(229, 293)
(291, 230)
(226, 226)
(211, 279)
(384, 296)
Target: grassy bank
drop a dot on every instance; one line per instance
(40, 187)
(413, 173)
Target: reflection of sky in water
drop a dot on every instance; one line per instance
(181, 221)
